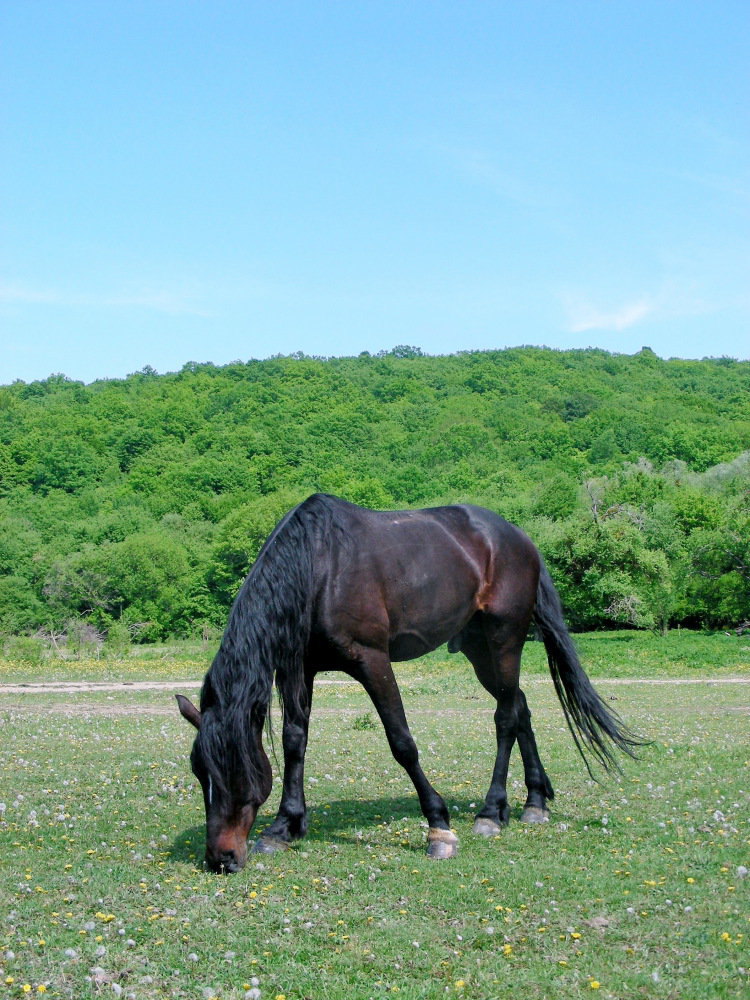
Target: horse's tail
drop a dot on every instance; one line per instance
(593, 726)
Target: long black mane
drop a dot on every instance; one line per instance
(266, 636)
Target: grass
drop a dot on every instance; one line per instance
(636, 888)
(605, 654)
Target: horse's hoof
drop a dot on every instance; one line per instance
(441, 844)
(485, 827)
(269, 845)
(533, 814)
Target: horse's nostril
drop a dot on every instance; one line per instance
(224, 863)
(228, 862)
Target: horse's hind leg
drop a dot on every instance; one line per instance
(375, 673)
(538, 785)
(495, 653)
(497, 667)
(495, 812)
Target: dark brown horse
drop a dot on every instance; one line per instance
(340, 587)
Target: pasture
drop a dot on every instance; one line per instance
(637, 887)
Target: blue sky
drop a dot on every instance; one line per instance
(190, 181)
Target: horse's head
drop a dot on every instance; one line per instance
(235, 785)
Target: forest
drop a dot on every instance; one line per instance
(131, 509)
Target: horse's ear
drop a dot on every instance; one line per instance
(188, 710)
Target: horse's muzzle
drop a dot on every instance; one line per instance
(225, 862)
(226, 842)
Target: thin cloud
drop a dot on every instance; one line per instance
(584, 316)
(159, 301)
(481, 167)
(12, 294)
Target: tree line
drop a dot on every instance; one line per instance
(136, 506)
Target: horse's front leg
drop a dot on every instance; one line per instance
(291, 820)
(376, 675)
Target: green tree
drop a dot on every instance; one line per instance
(240, 538)
(21, 611)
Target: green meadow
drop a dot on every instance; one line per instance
(637, 887)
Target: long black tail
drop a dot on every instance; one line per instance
(594, 727)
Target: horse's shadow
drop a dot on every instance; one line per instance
(188, 846)
(342, 821)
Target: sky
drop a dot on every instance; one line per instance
(186, 181)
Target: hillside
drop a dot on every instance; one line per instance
(135, 506)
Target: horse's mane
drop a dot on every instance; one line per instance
(267, 633)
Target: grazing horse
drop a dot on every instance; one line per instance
(339, 587)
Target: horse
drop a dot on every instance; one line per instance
(340, 587)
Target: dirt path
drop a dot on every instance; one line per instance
(76, 697)
(89, 687)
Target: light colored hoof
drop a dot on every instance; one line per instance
(269, 845)
(441, 844)
(486, 827)
(533, 814)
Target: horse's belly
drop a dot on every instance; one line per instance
(410, 645)
(417, 630)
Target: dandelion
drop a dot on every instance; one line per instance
(595, 984)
